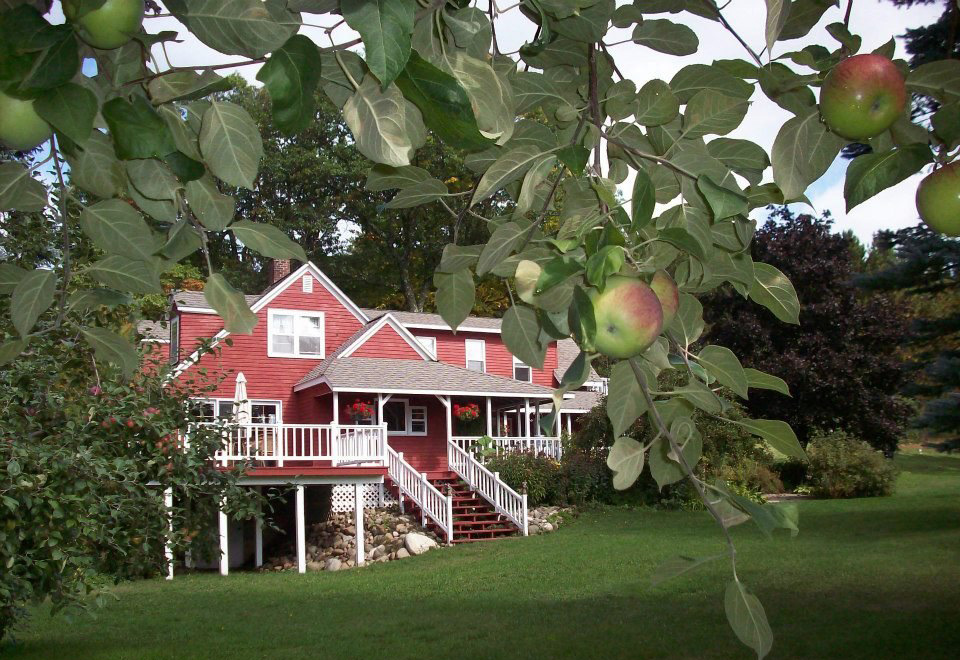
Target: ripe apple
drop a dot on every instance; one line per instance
(629, 317)
(862, 96)
(938, 200)
(110, 26)
(667, 293)
(21, 128)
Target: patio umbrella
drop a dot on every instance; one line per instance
(241, 405)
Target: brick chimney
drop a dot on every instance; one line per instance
(277, 269)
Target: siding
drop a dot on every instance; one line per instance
(387, 343)
(425, 453)
(451, 348)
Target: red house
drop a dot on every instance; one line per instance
(381, 404)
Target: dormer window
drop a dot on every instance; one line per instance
(476, 350)
(521, 371)
(294, 333)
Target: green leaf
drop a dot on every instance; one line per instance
(666, 37)
(724, 203)
(804, 14)
(182, 241)
(556, 271)
(70, 109)
(152, 179)
(625, 402)
(230, 305)
(291, 76)
(504, 240)
(626, 460)
(682, 239)
(267, 240)
(251, 28)
(643, 200)
(387, 128)
(764, 381)
(696, 77)
(19, 191)
(664, 466)
(677, 566)
(420, 193)
(385, 26)
(94, 167)
(742, 156)
(580, 317)
(607, 261)
(110, 347)
(88, 299)
(939, 79)
(521, 335)
(802, 152)
(871, 173)
(532, 191)
(458, 257)
(10, 276)
(213, 209)
(490, 95)
(117, 229)
(11, 349)
(773, 290)
(747, 618)
(385, 177)
(701, 396)
(230, 143)
(185, 168)
(32, 296)
(656, 104)
(575, 157)
(722, 364)
(186, 86)
(137, 130)
(687, 325)
(710, 112)
(777, 434)
(444, 104)
(55, 64)
(778, 11)
(456, 294)
(125, 274)
(506, 169)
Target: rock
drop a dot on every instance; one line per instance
(547, 527)
(395, 534)
(351, 530)
(402, 529)
(379, 551)
(332, 564)
(402, 553)
(314, 566)
(417, 544)
(533, 529)
(381, 559)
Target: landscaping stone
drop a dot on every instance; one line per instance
(417, 544)
(332, 564)
(314, 566)
(546, 519)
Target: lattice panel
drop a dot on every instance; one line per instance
(342, 499)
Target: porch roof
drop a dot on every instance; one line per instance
(391, 375)
(582, 401)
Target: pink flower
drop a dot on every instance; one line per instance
(95, 390)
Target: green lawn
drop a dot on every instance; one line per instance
(872, 578)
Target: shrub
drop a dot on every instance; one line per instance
(843, 466)
(540, 473)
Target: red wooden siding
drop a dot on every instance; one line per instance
(387, 343)
(426, 453)
(451, 348)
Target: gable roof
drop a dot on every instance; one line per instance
(567, 352)
(429, 321)
(582, 401)
(370, 331)
(156, 331)
(195, 300)
(392, 375)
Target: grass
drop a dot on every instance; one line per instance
(870, 578)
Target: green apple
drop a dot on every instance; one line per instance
(629, 317)
(862, 96)
(109, 26)
(667, 293)
(938, 200)
(21, 128)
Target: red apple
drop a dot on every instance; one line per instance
(862, 96)
(938, 200)
(667, 293)
(109, 26)
(629, 317)
(21, 128)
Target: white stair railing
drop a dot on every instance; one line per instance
(413, 484)
(540, 445)
(488, 485)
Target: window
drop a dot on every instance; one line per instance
(522, 372)
(476, 355)
(175, 340)
(264, 412)
(307, 283)
(429, 343)
(403, 419)
(295, 334)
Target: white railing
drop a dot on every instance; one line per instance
(545, 445)
(340, 444)
(488, 485)
(413, 484)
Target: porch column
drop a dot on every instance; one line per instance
(558, 421)
(336, 409)
(536, 426)
(526, 418)
(258, 533)
(224, 543)
(569, 424)
(358, 522)
(168, 549)
(301, 532)
(489, 418)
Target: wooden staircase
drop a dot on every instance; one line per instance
(474, 518)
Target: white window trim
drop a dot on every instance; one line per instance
(175, 345)
(306, 283)
(271, 312)
(521, 363)
(433, 340)
(466, 353)
(253, 402)
(408, 418)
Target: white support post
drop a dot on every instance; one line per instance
(400, 492)
(536, 427)
(224, 543)
(526, 529)
(301, 531)
(569, 424)
(423, 492)
(449, 518)
(168, 549)
(335, 418)
(526, 418)
(358, 514)
(258, 533)
(489, 418)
